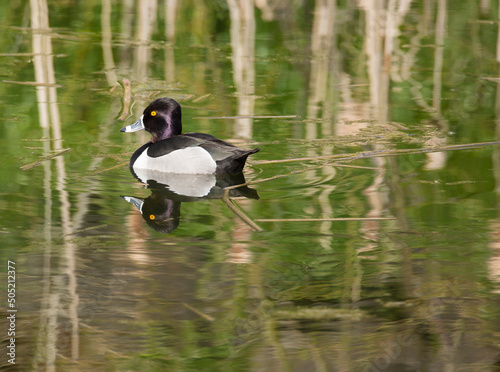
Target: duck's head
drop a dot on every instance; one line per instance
(162, 118)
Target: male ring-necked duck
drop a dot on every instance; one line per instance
(173, 152)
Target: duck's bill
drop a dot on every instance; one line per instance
(138, 203)
(138, 125)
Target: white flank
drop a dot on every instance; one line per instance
(192, 160)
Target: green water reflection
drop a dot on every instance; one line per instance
(374, 245)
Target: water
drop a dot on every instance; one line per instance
(373, 247)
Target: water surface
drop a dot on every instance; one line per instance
(373, 245)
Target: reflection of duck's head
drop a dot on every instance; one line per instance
(160, 213)
(171, 151)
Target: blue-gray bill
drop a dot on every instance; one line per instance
(138, 125)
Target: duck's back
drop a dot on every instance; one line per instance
(229, 158)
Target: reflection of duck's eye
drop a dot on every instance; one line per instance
(153, 113)
(152, 217)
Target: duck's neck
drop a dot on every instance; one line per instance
(172, 129)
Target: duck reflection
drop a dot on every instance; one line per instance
(162, 209)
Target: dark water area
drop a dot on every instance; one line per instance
(367, 237)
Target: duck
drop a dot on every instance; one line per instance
(172, 151)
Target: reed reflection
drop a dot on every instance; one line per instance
(243, 46)
(52, 327)
(162, 209)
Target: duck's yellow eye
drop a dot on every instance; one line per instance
(153, 113)
(152, 217)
